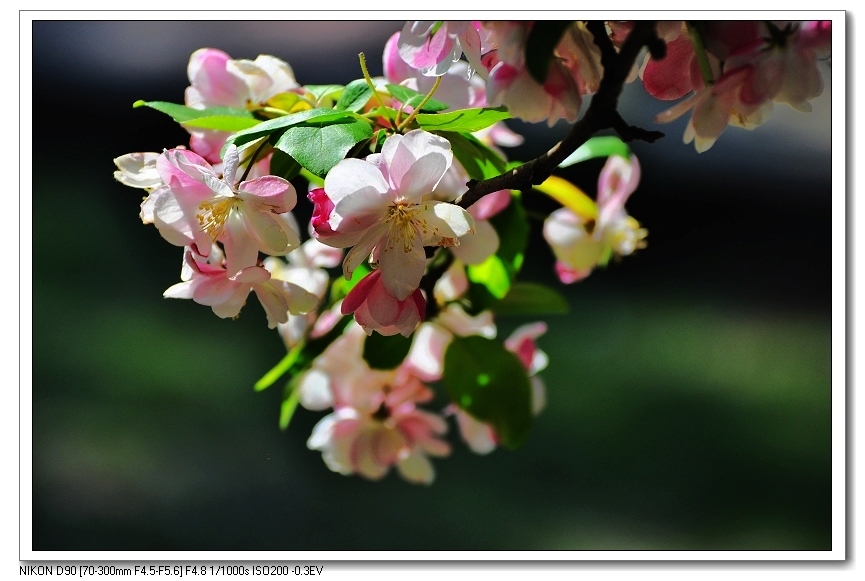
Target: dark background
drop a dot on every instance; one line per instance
(688, 387)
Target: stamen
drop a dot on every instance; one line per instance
(403, 226)
(213, 215)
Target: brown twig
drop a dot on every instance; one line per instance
(601, 114)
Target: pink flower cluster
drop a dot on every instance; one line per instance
(496, 51)
(736, 73)
(375, 423)
(746, 67)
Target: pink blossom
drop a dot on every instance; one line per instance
(207, 282)
(582, 242)
(581, 57)
(199, 207)
(433, 52)
(674, 76)
(305, 268)
(510, 83)
(375, 309)
(756, 74)
(340, 377)
(217, 80)
(382, 206)
(452, 285)
(514, 87)
(456, 88)
(396, 434)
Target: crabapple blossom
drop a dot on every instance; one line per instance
(382, 207)
(207, 282)
(217, 80)
(394, 199)
(396, 434)
(138, 170)
(582, 242)
(305, 268)
(452, 285)
(757, 72)
(511, 84)
(375, 309)
(457, 88)
(432, 47)
(199, 207)
(581, 56)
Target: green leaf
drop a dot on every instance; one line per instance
(289, 404)
(479, 161)
(182, 113)
(603, 146)
(513, 230)
(222, 123)
(491, 280)
(283, 165)
(279, 369)
(542, 41)
(271, 126)
(529, 298)
(493, 275)
(463, 120)
(412, 98)
(355, 96)
(319, 147)
(491, 384)
(382, 352)
(341, 286)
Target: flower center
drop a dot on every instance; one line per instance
(403, 226)
(213, 215)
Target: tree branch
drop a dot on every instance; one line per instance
(601, 114)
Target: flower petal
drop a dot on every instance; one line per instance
(277, 194)
(444, 220)
(363, 248)
(241, 249)
(272, 235)
(416, 468)
(353, 175)
(401, 269)
(477, 246)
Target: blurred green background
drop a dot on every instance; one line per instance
(688, 387)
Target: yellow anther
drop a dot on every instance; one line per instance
(214, 214)
(403, 226)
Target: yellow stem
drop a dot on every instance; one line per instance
(372, 86)
(417, 109)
